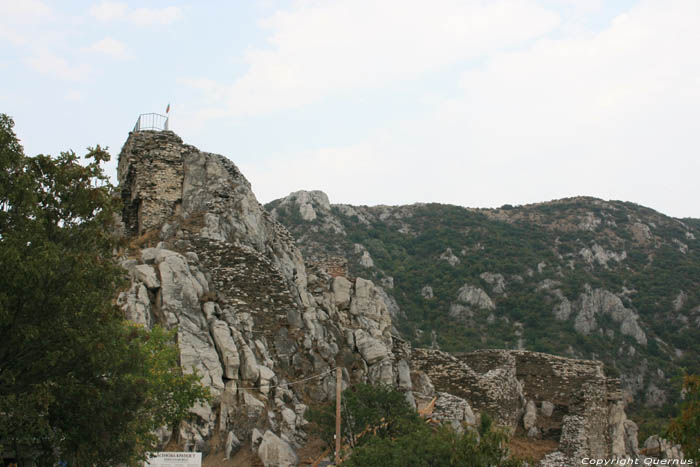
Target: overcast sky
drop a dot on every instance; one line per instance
(476, 103)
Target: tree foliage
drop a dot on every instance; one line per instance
(442, 446)
(685, 429)
(77, 381)
(364, 406)
(381, 429)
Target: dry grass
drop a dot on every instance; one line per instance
(150, 238)
(243, 458)
(532, 449)
(311, 451)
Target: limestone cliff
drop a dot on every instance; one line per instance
(206, 258)
(264, 329)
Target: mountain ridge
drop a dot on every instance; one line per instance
(577, 267)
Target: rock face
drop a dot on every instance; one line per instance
(207, 259)
(252, 317)
(596, 303)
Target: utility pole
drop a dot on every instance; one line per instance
(338, 387)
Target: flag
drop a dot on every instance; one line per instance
(167, 109)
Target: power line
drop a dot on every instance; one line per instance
(293, 382)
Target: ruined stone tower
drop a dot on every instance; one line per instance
(151, 174)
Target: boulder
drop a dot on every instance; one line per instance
(403, 375)
(147, 275)
(450, 257)
(274, 451)
(530, 416)
(422, 386)
(495, 280)
(253, 406)
(546, 408)
(341, 292)
(231, 445)
(228, 353)
(460, 312)
(256, 438)
(180, 291)
(371, 349)
(475, 296)
(366, 260)
(249, 365)
(266, 376)
(136, 304)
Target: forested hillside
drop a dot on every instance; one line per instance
(579, 277)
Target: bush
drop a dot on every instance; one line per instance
(431, 446)
(381, 429)
(377, 407)
(685, 429)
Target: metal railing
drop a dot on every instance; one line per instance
(152, 121)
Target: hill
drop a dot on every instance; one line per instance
(579, 277)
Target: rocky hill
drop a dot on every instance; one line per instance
(265, 329)
(578, 277)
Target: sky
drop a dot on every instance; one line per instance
(477, 103)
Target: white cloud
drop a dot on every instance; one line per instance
(17, 16)
(109, 11)
(343, 172)
(114, 11)
(580, 6)
(26, 10)
(110, 47)
(153, 16)
(612, 115)
(50, 64)
(75, 96)
(323, 47)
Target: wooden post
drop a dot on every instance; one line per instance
(338, 387)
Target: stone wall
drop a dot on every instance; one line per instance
(151, 175)
(539, 396)
(333, 265)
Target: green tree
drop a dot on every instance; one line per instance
(383, 430)
(77, 381)
(685, 428)
(427, 447)
(378, 408)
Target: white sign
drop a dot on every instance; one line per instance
(174, 459)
